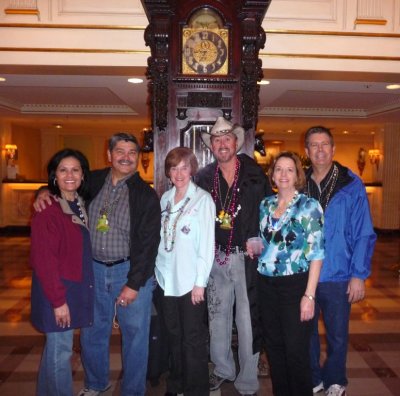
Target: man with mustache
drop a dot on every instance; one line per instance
(124, 223)
(237, 185)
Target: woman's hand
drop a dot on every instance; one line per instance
(63, 318)
(307, 309)
(249, 250)
(197, 295)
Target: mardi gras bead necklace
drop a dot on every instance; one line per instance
(278, 223)
(81, 215)
(103, 224)
(174, 224)
(227, 215)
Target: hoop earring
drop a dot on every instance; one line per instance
(55, 182)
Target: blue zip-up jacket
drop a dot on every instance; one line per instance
(349, 234)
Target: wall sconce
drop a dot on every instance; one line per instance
(361, 160)
(374, 157)
(11, 151)
(145, 160)
(147, 148)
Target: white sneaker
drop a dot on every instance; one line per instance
(88, 392)
(318, 388)
(92, 392)
(336, 390)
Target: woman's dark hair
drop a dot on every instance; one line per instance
(53, 165)
(301, 177)
(178, 154)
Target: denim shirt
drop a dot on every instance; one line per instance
(294, 241)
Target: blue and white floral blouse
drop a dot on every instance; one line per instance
(292, 241)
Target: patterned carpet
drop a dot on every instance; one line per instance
(374, 350)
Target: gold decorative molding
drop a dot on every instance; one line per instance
(142, 28)
(367, 21)
(331, 56)
(70, 26)
(262, 54)
(333, 33)
(74, 50)
(22, 11)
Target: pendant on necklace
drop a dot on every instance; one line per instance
(102, 224)
(225, 219)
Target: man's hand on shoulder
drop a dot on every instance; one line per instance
(356, 290)
(43, 199)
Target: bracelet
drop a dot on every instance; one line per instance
(309, 296)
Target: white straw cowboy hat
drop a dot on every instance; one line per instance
(222, 127)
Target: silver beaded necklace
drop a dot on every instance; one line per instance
(174, 224)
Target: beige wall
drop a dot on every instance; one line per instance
(347, 148)
(28, 142)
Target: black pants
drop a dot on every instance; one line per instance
(287, 339)
(187, 338)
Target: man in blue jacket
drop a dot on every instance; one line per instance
(349, 245)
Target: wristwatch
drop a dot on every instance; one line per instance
(310, 297)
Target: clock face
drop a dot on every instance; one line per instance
(205, 52)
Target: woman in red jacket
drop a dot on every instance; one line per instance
(62, 280)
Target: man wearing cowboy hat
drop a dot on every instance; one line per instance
(237, 185)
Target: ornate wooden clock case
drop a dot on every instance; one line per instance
(203, 64)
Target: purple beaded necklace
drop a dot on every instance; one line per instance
(231, 211)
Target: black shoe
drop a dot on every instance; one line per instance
(170, 394)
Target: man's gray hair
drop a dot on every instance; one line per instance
(122, 136)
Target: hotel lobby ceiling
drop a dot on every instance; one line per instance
(90, 98)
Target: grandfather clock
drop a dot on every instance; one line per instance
(203, 64)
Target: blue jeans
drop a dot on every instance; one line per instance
(55, 373)
(134, 322)
(332, 300)
(226, 287)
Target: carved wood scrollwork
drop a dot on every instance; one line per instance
(253, 41)
(157, 38)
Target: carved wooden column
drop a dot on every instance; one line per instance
(204, 64)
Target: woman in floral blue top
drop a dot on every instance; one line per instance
(291, 227)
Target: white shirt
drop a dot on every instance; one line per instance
(189, 262)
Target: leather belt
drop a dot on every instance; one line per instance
(232, 250)
(112, 263)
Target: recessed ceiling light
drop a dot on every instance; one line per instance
(345, 132)
(135, 80)
(372, 132)
(393, 86)
(289, 131)
(263, 82)
(57, 126)
(2, 79)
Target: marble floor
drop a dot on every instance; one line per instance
(374, 348)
